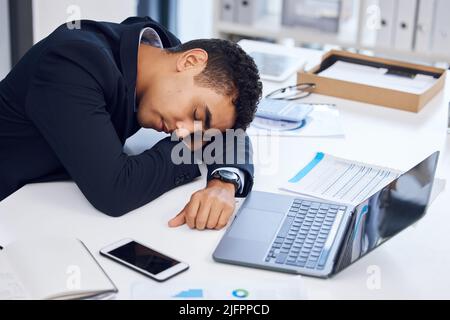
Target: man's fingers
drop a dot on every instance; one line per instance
(224, 217)
(191, 211)
(203, 215)
(214, 215)
(178, 220)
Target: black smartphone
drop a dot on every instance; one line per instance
(143, 259)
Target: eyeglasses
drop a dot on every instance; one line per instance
(299, 91)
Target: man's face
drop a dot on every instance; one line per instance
(175, 106)
(175, 101)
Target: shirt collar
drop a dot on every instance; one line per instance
(129, 46)
(150, 37)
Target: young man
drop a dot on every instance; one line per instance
(68, 106)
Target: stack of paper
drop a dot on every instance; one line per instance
(335, 179)
(345, 181)
(323, 121)
(378, 77)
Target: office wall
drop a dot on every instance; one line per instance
(195, 19)
(5, 49)
(49, 14)
(441, 32)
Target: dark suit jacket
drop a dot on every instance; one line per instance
(67, 108)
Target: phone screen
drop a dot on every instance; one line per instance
(143, 257)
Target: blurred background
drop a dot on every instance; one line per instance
(414, 30)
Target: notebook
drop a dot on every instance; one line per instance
(52, 268)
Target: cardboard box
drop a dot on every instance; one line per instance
(371, 94)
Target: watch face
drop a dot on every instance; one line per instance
(228, 175)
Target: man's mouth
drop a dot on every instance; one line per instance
(163, 127)
(160, 126)
(166, 130)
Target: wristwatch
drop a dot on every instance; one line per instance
(228, 176)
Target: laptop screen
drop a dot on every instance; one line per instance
(391, 210)
(274, 65)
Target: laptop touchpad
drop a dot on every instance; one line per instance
(256, 225)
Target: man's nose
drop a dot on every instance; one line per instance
(184, 129)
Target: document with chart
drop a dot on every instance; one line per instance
(340, 180)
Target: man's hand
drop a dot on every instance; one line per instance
(210, 208)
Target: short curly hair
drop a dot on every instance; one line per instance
(229, 71)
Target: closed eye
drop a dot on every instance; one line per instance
(195, 115)
(206, 122)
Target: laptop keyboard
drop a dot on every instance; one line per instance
(303, 235)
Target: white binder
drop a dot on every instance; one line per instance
(228, 10)
(441, 32)
(385, 35)
(405, 25)
(424, 31)
(5, 49)
(248, 11)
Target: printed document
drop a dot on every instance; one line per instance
(334, 179)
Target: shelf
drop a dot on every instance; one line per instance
(270, 27)
(350, 35)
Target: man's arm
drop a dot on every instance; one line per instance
(237, 153)
(212, 207)
(67, 105)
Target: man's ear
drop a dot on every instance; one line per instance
(192, 59)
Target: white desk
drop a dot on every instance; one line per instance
(415, 264)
